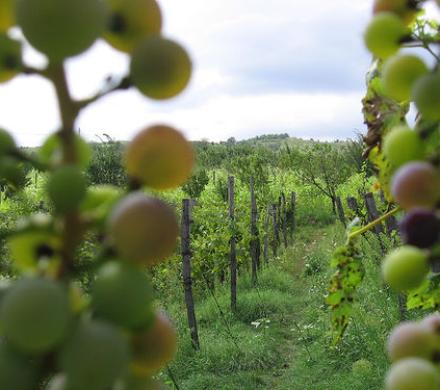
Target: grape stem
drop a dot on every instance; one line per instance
(69, 110)
(372, 224)
(110, 87)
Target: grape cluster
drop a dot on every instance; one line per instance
(414, 349)
(54, 335)
(415, 184)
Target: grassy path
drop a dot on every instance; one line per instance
(279, 338)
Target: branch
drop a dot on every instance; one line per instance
(371, 225)
(109, 88)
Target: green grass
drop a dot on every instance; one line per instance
(279, 338)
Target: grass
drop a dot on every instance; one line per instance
(279, 337)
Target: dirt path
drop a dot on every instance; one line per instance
(298, 253)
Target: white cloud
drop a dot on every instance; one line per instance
(283, 66)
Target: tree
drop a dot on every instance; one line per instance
(321, 165)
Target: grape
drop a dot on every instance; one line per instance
(139, 383)
(160, 157)
(398, 7)
(384, 33)
(413, 374)
(35, 315)
(426, 96)
(6, 15)
(61, 28)
(160, 68)
(99, 201)
(420, 227)
(131, 21)
(122, 294)
(67, 188)
(99, 195)
(416, 184)
(10, 58)
(95, 356)
(154, 347)
(12, 172)
(51, 152)
(143, 229)
(400, 74)
(28, 248)
(432, 322)
(7, 143)
(402, 145)
(16, 371)
(405, 268)
(411, 339)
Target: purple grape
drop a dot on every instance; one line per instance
(416, 184)
(420, 227)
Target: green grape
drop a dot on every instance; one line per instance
(16, 371)
(7, 143)
(426, 96)
(133, 382)
(405, 268)
(400, 74)
(6, 15)
(402, 145)
(95, 356)
(67, 187)
(160, 157)
(99, 201)
(122, 294)
(384, 34)
(160, 68)
(61, 28)
(29, 248)
(154, 347)
(35, 315)
(411, 339)
(10, 58)
(12, 172)
(416, 184)
(51, 151)
(130, 21)
(143, 229)
(413, 374)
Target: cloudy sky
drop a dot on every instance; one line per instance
(259, 67)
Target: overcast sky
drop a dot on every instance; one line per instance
(259, 67)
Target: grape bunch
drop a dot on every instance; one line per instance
(412, 160)
(55, 335)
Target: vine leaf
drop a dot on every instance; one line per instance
(427, 296)
(348, 275)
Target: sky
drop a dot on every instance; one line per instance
(284, 66)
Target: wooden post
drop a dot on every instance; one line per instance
(186, 272)
(341, 213)
(232, 252)
(284, 219)
(276, 236)
(292, 213)
(391, 222)
(373, 214)
(353, 205)
(255, 241)
(266, 235)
